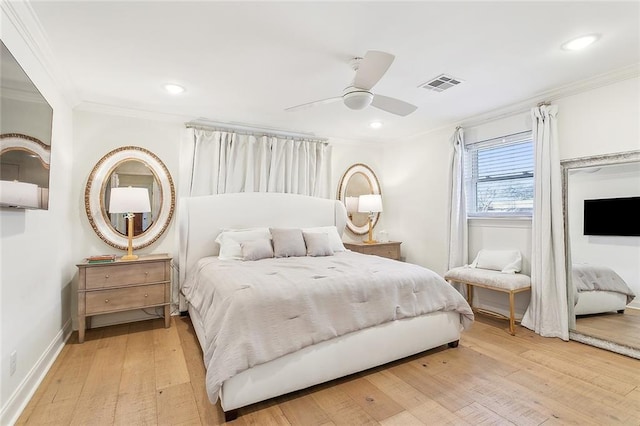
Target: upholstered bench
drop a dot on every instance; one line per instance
(510, 283)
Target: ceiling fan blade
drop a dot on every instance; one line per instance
(393, 105)
(314, 103)
(371, 68)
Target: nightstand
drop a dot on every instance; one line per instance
(390, 249)
(122, 286)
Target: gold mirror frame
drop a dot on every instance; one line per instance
(95, 193)
(374, 187)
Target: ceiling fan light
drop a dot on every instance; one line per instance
(358, 100)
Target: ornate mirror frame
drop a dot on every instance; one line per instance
(95, 193)
(569, 165)
(374, 186)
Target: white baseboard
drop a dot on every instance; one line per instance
(22, 395)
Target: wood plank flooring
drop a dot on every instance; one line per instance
(142, 373)
(623, 329)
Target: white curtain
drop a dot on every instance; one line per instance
(218, 162)
(547, 313)
(458, 231)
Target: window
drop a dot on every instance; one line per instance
(499, 176)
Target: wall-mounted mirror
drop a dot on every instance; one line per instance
(139, 168)
(358, 180)
(25, 138)
(601, 208)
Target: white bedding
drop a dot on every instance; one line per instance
(257, 311)
(588, 278)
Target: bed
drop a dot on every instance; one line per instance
(599, 289)
(231, 302)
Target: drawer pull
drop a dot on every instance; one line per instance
(106, 276)
(146, 273)
(146, 295)
(106, 300)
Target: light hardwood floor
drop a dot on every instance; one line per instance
(142, 373)
(623, 329)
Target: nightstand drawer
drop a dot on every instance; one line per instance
(124, 298)
(392, 252)
(125, 274)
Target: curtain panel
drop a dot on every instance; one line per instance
(547, 313)
(458, 231)
(218, 162)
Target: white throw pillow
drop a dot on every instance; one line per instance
(256, 249)
(288, 242)
(317, 244)
(507, 261)
(335, 241)
(230, 239)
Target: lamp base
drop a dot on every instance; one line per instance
(369, 241)
(129, 257)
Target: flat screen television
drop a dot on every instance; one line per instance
(612, 216)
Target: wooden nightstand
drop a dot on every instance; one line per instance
(390, 249)
(122, 286)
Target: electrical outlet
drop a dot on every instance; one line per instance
(13, 363)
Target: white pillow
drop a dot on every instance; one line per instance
(230, 239)
(334, 238)
(288, 242)
(507, 261)
(256, 249)
(317, 244)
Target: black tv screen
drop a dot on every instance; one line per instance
(612, 216)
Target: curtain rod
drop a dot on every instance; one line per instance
(242, 128)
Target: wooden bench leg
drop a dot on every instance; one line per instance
(470, 295)
(512, 316)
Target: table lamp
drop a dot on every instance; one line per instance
(371, 204)
(129, 200)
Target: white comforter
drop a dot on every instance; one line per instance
(254, 312)
(599, 278)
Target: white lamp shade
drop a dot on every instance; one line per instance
(18, 194)
(371, 203)
(129, 200)
(351, 203)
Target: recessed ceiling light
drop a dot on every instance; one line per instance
(580, 42)
(174, 89)
(375, 124)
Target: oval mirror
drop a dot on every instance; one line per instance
(358, 180)
(136, 167)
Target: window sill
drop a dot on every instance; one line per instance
(500, 222)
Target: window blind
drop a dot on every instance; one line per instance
(499, 176)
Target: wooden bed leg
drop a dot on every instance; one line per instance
(454, 344)
(230, 415)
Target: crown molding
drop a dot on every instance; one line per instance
(524, 106)
(109, 109)
(611, 77)
(28, 26)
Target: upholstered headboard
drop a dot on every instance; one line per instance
(202, 218)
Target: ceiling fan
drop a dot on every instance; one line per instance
(369, 70)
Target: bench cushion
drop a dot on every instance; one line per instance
(488, 277)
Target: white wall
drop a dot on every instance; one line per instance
(38, 252)
(416, 171)
(622, 254)
(96, 134)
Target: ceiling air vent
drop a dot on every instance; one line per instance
(441, 83)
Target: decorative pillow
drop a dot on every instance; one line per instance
(507, 261)
(288, 242)
(256, 249)
(230, 239)
(317, 244)
(335, 241)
